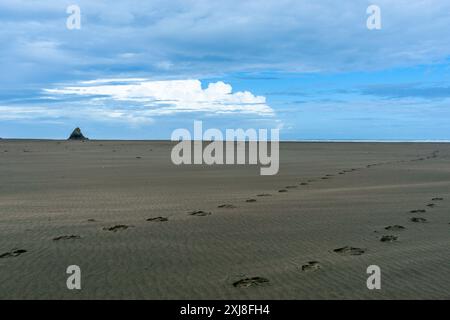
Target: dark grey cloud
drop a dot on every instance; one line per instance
(199, 38)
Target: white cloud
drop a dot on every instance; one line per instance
(170, 96)
(115, 80)
(46, 114)
(23, 113)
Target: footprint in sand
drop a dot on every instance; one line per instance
(12, 254)
(250, 282)
(157, 219)
(91, 220)
(311, 266)
(418, 211)
(200, 213)
(388, 238)
(437, 199)
(250, 200)
(350, 251)
(395, 228)
(264, 195)
(325, 178)
(71, 237)
(431, 205)
(282, 190)
(291, 187)
(116, 228)
(226, 206)
(304, 184)
(419, 220)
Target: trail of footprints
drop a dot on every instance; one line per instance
(310, 266)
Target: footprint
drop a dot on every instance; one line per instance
(91, 220)
(250, 282)
(116, 228)
(304, 184)
(227, 206)
(264, 195)
(12, 254)
(250, 200)
(282, 190)
(324, 178)
(419, 220)
(71, 237)
(395, 228)
(388, 238)
(311, 266)
(291, 187)
(418, 211)
(350, 251)
(431, 205)
(158, 219)
(200, 213)
(437, 199)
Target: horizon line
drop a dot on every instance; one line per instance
(281, 141)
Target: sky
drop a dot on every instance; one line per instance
(141, 69)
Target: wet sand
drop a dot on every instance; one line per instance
(140, 227)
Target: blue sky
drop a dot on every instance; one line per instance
(140, 69)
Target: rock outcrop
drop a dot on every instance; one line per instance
(77, 135)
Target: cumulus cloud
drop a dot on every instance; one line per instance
(169, 96)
